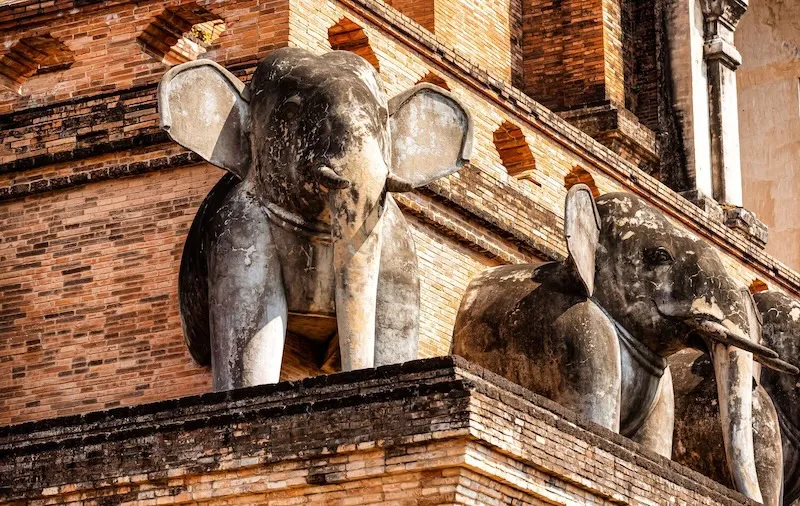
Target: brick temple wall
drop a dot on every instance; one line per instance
(436, 431)
(95, 203)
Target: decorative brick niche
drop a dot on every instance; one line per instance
(758, 286)
(580, 175)
(432, 78)
(347, 35)
(32, 56)
(181, 34)
(509, 140)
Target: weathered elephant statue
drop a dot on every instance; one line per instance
(303, 233)
(776, 407)
(593, 332)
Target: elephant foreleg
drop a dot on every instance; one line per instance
(588, 372)
(656, 431)
(247, 302)
(357, 264)
(397, 306)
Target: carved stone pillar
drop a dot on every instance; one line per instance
(720, 18)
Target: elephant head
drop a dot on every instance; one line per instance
(316, 141)
(699, 438)
(670, 290)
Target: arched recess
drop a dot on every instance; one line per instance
(432, 78)
(181, 34)
(32, 56)
(509, 140)
(346, 35)
(580, 175)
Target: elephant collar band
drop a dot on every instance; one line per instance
(643, 355)
(317, 230)
(288, 220)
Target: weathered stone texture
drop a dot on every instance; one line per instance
(439, 431)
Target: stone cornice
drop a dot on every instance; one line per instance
(390, 407)
(727, 12)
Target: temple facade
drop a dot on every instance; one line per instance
(659, 99)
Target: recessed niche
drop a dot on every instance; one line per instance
(181, 34)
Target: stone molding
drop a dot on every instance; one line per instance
(727, 12)
(726, 53)
(407, 416)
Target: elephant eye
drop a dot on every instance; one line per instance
(658, 256)
(291, 108)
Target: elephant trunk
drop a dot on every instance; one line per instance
(357, 197)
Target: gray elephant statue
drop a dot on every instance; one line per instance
(302, 234)
(593, 332)
(776, 406)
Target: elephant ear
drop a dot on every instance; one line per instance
(204, 107)
(582, 232)
(431, 136)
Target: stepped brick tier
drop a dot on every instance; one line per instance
(434, 431)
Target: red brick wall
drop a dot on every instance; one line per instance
(420, 11)
(572, 52)
(89, 303)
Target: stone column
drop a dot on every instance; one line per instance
(722, 59)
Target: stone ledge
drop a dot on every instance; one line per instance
(441, 416)
(619, 130)
(747, 223)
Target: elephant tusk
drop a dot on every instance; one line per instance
(777, 364)
(330, 179)
(719, 333)
(397, 184)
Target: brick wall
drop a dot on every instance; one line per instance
(438, 431)
(75, 339)
(421, 11)
(108, 56)
(565, 52)
(640, 53)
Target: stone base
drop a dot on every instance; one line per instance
(619, 130)
(435, 431)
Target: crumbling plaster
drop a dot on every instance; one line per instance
(768, 38)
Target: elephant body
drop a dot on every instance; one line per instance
(593, 332)
(583, 362)
(776, 415)
(303, 234)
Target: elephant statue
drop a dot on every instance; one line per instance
(302, 234)
(593, 332)
(776, 406)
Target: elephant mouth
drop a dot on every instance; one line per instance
(713, 328)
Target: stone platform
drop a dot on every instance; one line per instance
(435, 431)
